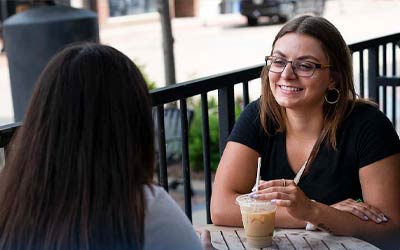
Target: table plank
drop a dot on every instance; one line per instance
(350, 243)
(217, 240)
(299, 242)
(280, 241)
(234, 238)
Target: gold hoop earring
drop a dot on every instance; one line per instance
(330, 94)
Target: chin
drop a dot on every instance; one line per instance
(286, 104)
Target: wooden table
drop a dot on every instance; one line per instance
(234, 238)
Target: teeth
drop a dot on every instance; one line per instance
(287, 88)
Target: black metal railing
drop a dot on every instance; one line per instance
(377, 57)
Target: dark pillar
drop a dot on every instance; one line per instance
(34, 36)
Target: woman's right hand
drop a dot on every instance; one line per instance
(362, 210)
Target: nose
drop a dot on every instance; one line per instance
(288, 71)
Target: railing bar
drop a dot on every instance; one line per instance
(388, 81)
(206, 153)
(361, 54)
(394, 106)
(226, 115)
(185, 159)
(373, 72)
(246, 93)
(195, 87)
(374, 42)
(7, 132)
(162, 158)
(384, 99)
(384, 60)
(393, 59)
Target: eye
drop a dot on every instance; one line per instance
(304, 66)
(279, 62)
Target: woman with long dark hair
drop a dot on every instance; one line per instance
(80, 169)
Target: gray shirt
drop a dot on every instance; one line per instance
(166, 226)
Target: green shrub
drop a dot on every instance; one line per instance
(195, 135)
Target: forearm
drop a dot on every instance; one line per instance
(343, 223)
(225, 211)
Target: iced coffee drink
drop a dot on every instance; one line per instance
(258, 218)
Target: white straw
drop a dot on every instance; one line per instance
(258, 173)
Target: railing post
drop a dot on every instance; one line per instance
(226, 115)
(246, 98)
(161, 161)
(185, 159)
(206, 153)
(373, 71)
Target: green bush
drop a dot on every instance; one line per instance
(195, 135)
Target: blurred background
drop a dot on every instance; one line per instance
(210, 36)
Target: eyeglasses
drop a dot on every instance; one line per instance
(300, 67)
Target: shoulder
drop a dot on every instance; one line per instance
(366, 115)
(372, 133)
(159, 201)
(252, 109)
(364, 110)
(254, 105)
(166, 226)
(156, 196)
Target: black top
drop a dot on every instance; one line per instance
(366, 136)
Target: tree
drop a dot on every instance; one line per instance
(167, 41)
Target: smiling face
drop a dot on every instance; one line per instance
(294, 92)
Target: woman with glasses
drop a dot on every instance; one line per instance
(79, 174)
(329, 160)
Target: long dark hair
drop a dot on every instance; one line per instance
(77, 167)
(339, 56)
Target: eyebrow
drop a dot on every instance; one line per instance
(304, 57)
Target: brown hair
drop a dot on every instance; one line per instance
(76, 170)
(341, 71)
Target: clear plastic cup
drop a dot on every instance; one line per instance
(258, 218)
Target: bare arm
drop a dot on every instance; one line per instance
(381, 189)
(236, 175)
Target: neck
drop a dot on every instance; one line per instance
(307, 125)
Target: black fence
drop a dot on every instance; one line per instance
(375, 73)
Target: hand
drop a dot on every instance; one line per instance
(205, 239)
(285, 193)
(361, 210)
